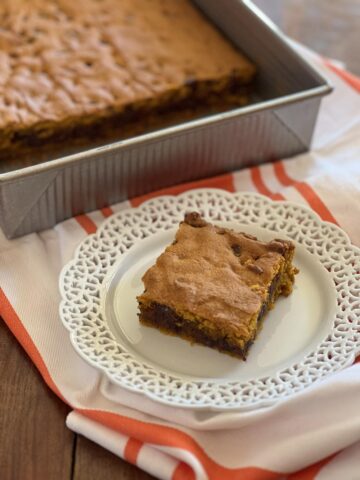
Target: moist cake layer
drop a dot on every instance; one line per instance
(168, 321)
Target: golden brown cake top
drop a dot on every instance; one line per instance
(215, 274)
(63, 58)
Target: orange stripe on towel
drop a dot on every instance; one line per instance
(183, 472)
(132, 450)
(281, 174)
(15, 325)
(106, 211)
(224, 182)
(259, 183)
(306, 191)
(348, 77)
(171, 437)
(86, 223)
(310, 473)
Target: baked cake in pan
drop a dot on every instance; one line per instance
(214, 286)
(77, 70)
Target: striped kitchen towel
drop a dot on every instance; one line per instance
(313, 435)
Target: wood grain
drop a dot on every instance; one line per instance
(331, 28)
(96, 463)
(34, 441)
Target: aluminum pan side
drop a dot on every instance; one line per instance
(167, 132)
(280, 125)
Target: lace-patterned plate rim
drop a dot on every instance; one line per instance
(81, 285)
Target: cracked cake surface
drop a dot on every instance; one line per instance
(217, 282)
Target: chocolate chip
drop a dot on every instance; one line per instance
(236, 249)
(190, 81)
(194, 219)
(255, 268)
(277, 246)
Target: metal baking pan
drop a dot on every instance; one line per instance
(278, 124)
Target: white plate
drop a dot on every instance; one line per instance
(307, 336)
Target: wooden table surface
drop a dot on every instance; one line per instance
(35, 444)
(34, 441)
(331, 27)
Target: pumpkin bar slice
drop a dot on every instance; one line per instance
(214, 286)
